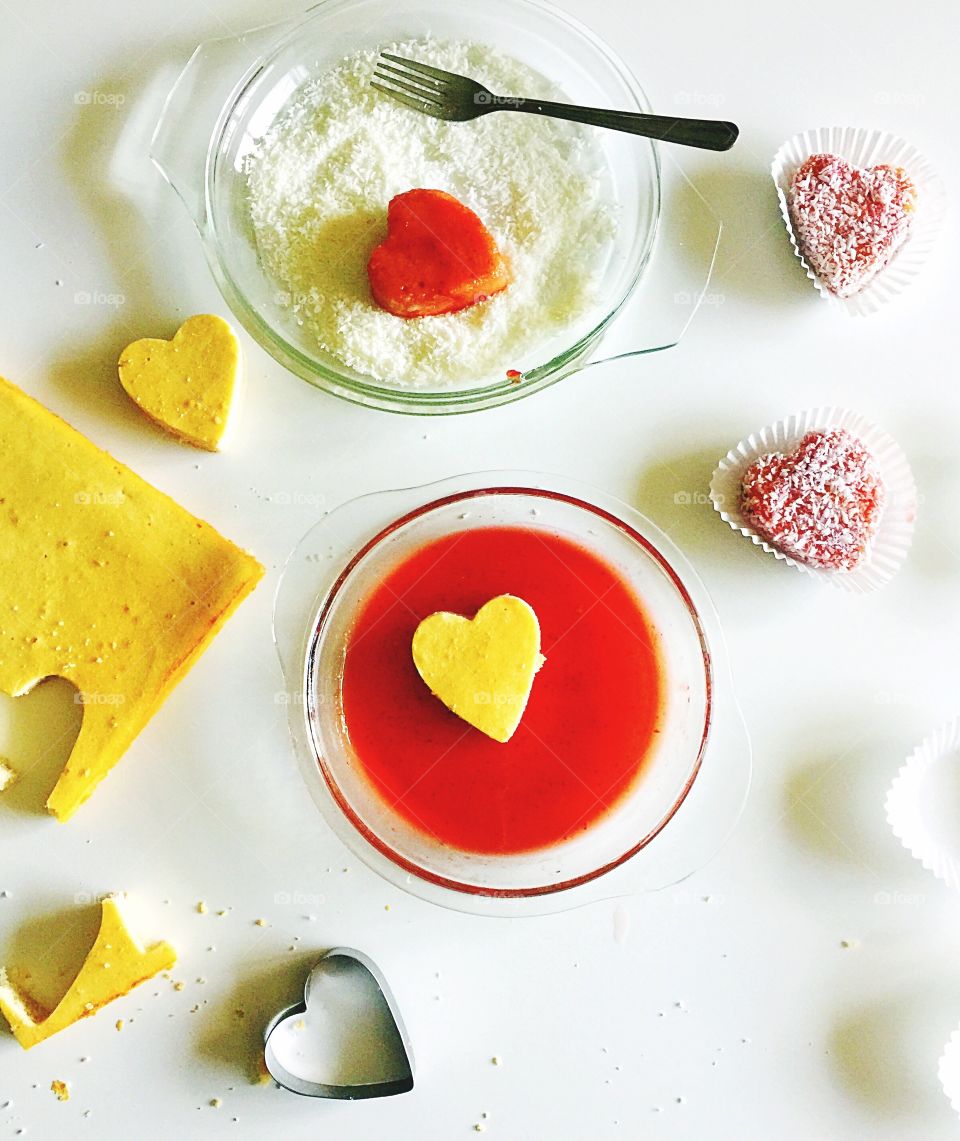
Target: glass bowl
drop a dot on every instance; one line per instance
(249, 82)
(668, 771)
(345, 556)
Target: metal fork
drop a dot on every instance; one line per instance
(456, 98)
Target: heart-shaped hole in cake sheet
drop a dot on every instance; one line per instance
(346, 1039)
(38, 730)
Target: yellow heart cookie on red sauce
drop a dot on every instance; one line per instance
(482, 669)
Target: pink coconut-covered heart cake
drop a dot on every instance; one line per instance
(820, 504)
(849, 221)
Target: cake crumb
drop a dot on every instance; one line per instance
(496, 1060)
(849, 944)
(61, 1089)
(201, 908)
(119, 1024)
(215, 1103)
(179, 985)
(260, 923)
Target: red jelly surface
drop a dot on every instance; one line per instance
(438, 257)
(585, 734)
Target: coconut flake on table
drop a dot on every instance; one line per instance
(320, 179)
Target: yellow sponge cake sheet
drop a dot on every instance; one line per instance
(105, 581)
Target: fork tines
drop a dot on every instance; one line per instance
(417, 85)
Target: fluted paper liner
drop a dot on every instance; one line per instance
(914, 802)
(889, 545)
(862, 147)
(949, 1070)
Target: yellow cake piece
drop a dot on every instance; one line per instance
(482, 669)
(117, 963)
(104, 581)
(8, 774)
(188, 384)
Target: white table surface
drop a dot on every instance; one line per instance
(738, 1018)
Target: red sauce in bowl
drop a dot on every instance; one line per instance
(592, 715)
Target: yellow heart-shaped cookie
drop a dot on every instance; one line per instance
(482, 669)
(187, 385)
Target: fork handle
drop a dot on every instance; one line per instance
(708, 134)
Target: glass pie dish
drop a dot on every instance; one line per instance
(691, 788)
(232, 90)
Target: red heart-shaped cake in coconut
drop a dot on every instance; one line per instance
(820, 504)
(438, 257)
(849, 221)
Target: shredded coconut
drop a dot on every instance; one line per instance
(850, 221)
(320, 179)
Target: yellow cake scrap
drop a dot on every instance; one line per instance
(8, 774)
(116, 964)
(482, 669)
(104, 581)
(188, 384)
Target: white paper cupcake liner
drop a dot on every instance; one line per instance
(948, 1070)
(920, 799)
(865, 148)
(891, 542)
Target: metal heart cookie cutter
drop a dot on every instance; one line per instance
(346, 1039)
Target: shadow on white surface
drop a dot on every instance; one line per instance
(232, 1031)
(87, 374)
(104, 159)
(834, 807)
(675, 495)
(885, 1053)
(756, 262)
(44, 955)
